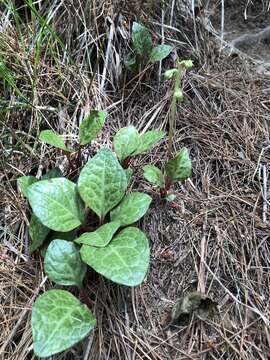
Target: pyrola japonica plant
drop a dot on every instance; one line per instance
(87, 223)
(143, 50)
(178, 167)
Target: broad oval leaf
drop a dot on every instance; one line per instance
(126, 142)
(91, 125)
(51, 138)
(59, 321)
(38, 233)
(56, 203)
(147, 140)
(125, 260)
(160, 52)
(102, 182)
(180, 167)
(131, 208)
(63, 264)
(153, 174)
(101, 237)
(142, 40)
(24, 182)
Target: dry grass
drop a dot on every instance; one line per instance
(216, 242)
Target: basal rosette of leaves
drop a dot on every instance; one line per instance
(115, 249)
(111, 245)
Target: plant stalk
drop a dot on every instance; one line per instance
(173, 109)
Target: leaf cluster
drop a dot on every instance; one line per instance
(90, 223)
(89, 129)
(176, 169)
(115, 248)
(144, 52)
(128, 142)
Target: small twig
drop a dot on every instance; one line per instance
(173, 110)
(201, 275)
(264, 192)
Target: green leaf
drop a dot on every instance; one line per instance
(131, 208)
(51, 138)
(125, 260)
(126, 142)
(129, 173)
(24, 182)
(53, 173)
(56, 203)
(101, 237)
(160, 52)
(153, 174)
(38, 233)
(63, 264)
(59, 321)
(180, 167)
(91, 126)
(142, 40)
(147, 140)
(102, 182)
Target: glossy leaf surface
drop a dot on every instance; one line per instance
(102, 182)
(180, 167)
(59, 320)
(125, 260)
(160, 52)
(126, 142)
(147, 140)
(153, 174)
(142, 40)
(101, 237)
(131, 209)
(63, 264)
(51, 138)
(91, 126)
(56, 204)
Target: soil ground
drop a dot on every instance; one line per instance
(214, 240)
